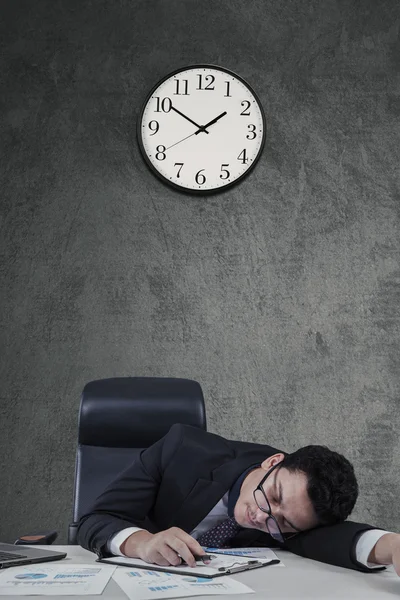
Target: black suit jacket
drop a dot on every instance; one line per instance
(178, 480)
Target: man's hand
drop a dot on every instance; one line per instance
(387, 551)
(169, 547)
(396, 555)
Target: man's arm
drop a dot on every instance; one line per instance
(365, 544)
(129, 499)
(115, 544)
(332, 544)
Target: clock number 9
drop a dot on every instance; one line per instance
(160, 154)
(198, 175)
(252, 129)
(152, 128)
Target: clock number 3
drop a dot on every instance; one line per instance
(252, 132)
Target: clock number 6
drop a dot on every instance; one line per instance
(199, 175)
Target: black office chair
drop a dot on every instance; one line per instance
(118, 418)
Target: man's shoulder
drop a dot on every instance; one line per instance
(184, 432)
(188, 434)
(206, 452)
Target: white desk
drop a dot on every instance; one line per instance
(300, 579)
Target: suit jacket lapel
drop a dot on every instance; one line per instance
(202, 498)
(207, 492)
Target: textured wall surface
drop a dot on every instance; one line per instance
(280, 296)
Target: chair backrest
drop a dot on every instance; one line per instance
(118, 418)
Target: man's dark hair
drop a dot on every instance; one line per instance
(332, 485)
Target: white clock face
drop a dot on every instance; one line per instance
(202, 129)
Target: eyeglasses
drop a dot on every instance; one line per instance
(264, 505)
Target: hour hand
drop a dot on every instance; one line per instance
(200, 127)
(204, 127)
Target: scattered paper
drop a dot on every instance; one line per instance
(52, 580)
(140, 584)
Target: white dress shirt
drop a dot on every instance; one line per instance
(365, 543)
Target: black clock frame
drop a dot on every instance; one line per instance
(177, 187)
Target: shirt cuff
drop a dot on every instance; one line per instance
(119, 538)
(366, 542)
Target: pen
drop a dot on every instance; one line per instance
(203, 558)
(252, 564)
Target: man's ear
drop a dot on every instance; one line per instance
(272, 460)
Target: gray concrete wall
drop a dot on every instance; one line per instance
(280, 296)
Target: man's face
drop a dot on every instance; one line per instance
(287, 496)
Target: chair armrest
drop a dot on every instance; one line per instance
(72, 533)
(46, 538)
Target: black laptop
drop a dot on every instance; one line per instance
(13, 556)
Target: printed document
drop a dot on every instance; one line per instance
(55, 580)
(139, 584)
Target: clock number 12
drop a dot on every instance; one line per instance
(209, 84)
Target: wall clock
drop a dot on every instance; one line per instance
(201, 129)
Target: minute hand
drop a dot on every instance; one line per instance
(211, 122)
(189, 119)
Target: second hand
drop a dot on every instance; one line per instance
(185, 138)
